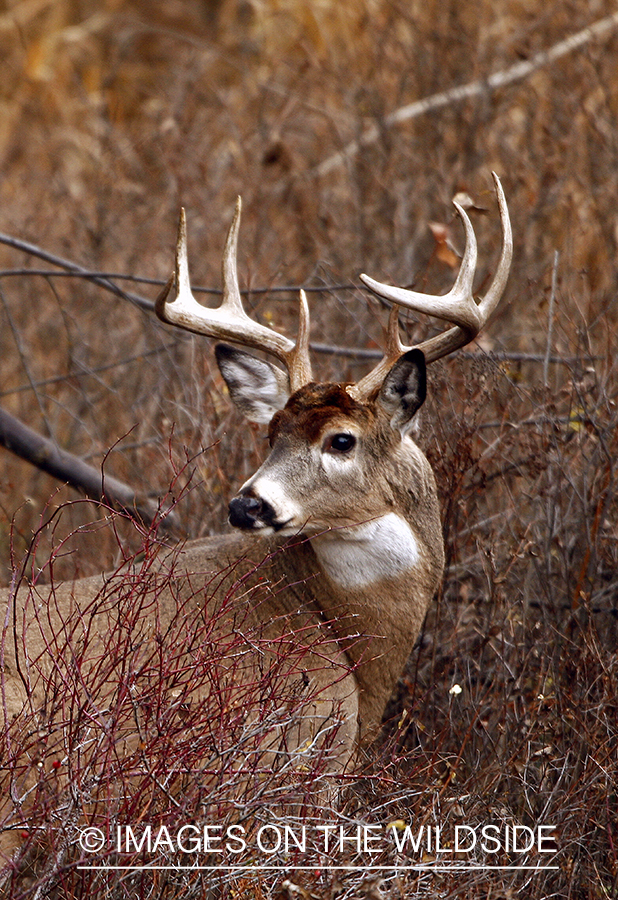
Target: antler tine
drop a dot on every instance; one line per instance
(458, 306)
(229, 321)
(372, 382)
(451, 340)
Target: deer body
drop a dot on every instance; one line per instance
(358, 559)
(339, 553)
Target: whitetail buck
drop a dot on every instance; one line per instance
(343, 515)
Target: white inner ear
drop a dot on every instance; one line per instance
(259, 403)
(257, 388)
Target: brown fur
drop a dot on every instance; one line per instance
(309, 410)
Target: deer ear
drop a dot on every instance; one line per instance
(258, 388)
(404, 389)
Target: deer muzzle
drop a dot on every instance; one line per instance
(248, 513)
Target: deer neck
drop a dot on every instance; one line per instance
(362, 556)
(380, 581)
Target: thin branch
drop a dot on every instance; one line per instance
(516, 72)
(89, 372)
(550, 319)
(74, 269)
(91, 275)
(25, 363)
(71, 269)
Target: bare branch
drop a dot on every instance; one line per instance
(494, 82)
(550, 318)
(74, 269)
(94, 483)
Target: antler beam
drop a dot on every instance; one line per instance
(457, 307)
(229, 321)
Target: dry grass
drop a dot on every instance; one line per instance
(112, 115)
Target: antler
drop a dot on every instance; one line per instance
(457, 307)
(229, 321)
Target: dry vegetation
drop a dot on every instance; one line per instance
(112, 116)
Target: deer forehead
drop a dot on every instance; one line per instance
(317, 408)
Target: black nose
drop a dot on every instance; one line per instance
(244, 512)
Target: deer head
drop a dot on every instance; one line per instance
(327, 440)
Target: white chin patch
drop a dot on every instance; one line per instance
(380, 549)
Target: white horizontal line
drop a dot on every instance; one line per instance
(263, 868)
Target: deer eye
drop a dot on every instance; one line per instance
(339, 443)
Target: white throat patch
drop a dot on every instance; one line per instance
(358, 556)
